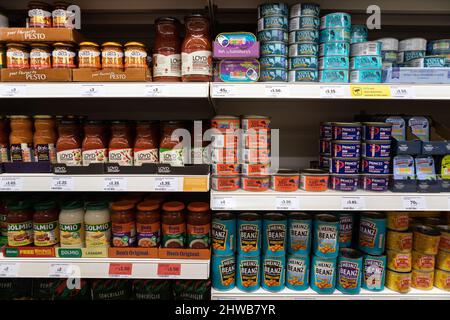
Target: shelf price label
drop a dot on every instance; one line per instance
(11, 184)
(334, 91)
(9, 270)
(403, 92)
(169, 269)
(62, 184)
(62, 270)
(120, 270)
(167, 184)
(224, 203)
(224, 90)
(353, 203)
(287, 203)
(156, 90)
(115, 184)
(12, 91)
(92, 90)
(277, 91)
(414, 203)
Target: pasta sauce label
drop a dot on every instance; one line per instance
(45, 152)
(123, 234)
(70, 157)
(166, 65)
(46, 234)
(249, 238)
(97, 234)
(21, 152)
(173, 235)
(198, 236)
(173, 157)
(123, 157)
(95, 156)
(142, 156)
(276, 236)
(197, 62)
(148, 234)
(20, 234)
(299, 235)
(71, 234)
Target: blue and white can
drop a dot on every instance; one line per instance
(300, 233)
(377, 131)
(374, 272)
(334, 62)
(274, 75)
(368, 48)
(344, 166)
(273, 273)
(273, 22)
(366, 62)
(406, 56)
(372, 233)
(334, 76)
(303, 75)
(304, 9)
(248, 273)
(326, 236)
(304, 22)
(334, 35)
(334, 49)
(303, 49)
(376, 149)
(273, 62)
(336, 20)
(297, 272)
(303, 62)
(349, 271)
(223, 272)
(359, 33)
(375, 165)
(323, 275)
(366, 76)
(345, 149)
(428, 62)
(273, 35)
(273, 9)
(305, 35)
(274, 48)
(348, 131)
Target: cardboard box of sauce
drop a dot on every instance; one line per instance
(128, 75)
(43, 75)
(39, 35)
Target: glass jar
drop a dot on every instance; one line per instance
(112, 55)
(63, 55)
(68, 145)
(89, 56)
(169, 150)
(94, 149)
(135, 55)
(123, 224)
(40, 56)
(120, 150)
(45, 224)
(2, 56)
(71, 224)
(97, 225)
(4, 140)
(44, 138)
(17, 56)
(19, 220)
(198, 225)
(39, 15)
(146, 143)
(148, 224)
(60, 15)
(173, 225)
(21, 139)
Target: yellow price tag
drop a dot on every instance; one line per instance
(375, 91)
(195, 184)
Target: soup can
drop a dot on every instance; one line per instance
(372, 233)
(297, 272)
(443, 260)
(248, 273)
(398, 221)
(399, 261)
(422, 280)
(426, 239)
(274, 234)
(374, 272)
(345, 229)
(399, 240)
(423, 262)
(323, 274)
(444, 241)
(273, 272)
(326, 236)
(299, 236)
(349, 270)
(249, 227)
(223, 272)
(398, 281)
(223, 233)
(442, 279)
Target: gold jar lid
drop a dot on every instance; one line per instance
(40, 45)
(63, 44)
(19, 116)
(112, 44)
(15, 44)
(134, 44)
(89, 44)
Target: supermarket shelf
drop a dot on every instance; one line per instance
(309, 294)
(329, 200)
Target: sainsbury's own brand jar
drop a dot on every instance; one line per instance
(17, 56)
(39, 15)
(63, 55)
(40, 56)
(89, 56)
(112, 55)
(135, 55)
(167, 50)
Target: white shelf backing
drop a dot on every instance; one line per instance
(309, 294)
(329, 200)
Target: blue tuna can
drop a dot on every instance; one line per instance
(274, 48)
(305, 35)
(375, 182)
(303, 62)
(377, 131)
(323, 274)
(344, 182)
(374, 272)
(248, 273)
(325, 130)
(297, 272)
(274, 234)
(334, 76)
(336, 20)
(325, 147)
(223, 233)
(223, 272)
(304, 22)
(345, 229)
(273, 62)
(375, 165)
(273, 9)
(273, 273)
(249, 226)
(274, 75)
(273, 22)
(304, 9)
(406, 56)
(334, 49)
(376, 149)
(349, 271)
(345, 149)
(270, 35)
(299, 235)
(366, 76)
(334, 62)
(366, 62)
(303, 49)
(344, 166)
(359, 33)
(372, 232)
(326, 236)
(334, 35)
(303, 75)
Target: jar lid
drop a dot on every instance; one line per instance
(111, 44)
(196, 16)
(19, 205)
(94, 122)
(173, 206)
(61, 3)
(135, 44)
(72, 205)
(15, 44)
(19, 117)
(122, 205)
(166, 19)
(63, 44)
(198, 206)
(45, 205)
(132, 197)
(88, 43)
(148, 205)
(43, 116)
(98, 205)
(37, 44)
(38, 4)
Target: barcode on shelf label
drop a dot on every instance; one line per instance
(9, 270)
(92, 90)
(414, 203)
(156, 91)
(353, 203)
(334, 91)
(224, 90)
(62, 184)
(120, 270)
(115, 184)
(11, 184)
(403, 92)
(7, 90)
(169, 269)
(224, 203)
(167, 184)
(287, 203)
(61, 270)
(277, 91)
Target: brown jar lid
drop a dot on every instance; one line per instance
(148, 205)
(198, 207)
(173, 206)
(122, 205)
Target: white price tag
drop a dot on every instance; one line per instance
(115, 184)
(9, 270)
(62, 184)
(287, 203)
(334, 91)
(277, 91)
(156, 91)
(227, 203)
(224, 90)
(61, 270)
(353, 203)
(7, 90)
(167, 184)
(414, 203)
(92, 90)
(403, 92)
(11, 184)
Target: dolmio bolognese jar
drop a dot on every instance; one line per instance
(198, 225)
(167, 51)
(173, 225)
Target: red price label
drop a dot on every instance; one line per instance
(169, 269)
(120, 269)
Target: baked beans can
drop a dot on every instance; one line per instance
(255, 169)
(274, 237)
(375, 165)
(372, 233)
(422, 280)
(423, 262)
(326, 236)
(299, 235)
(375, 182)
(325, 130)
(345, 229)
(349, 271)
(285, 180)
(344, 166)
(442, 279)
(226, 123)
(225, 169)
(377, 131)
(314, 180)
(225, 183)
(398, 221)
(374, 272)
(249, 226)
(223, 272)
(426, 239)
(443, 260)
(223, 233)
(345, 149)
(398, 281)
(248, 273)
(323, 275)
(399, 261)
(346, 131)
(444, 241)
(325, 146)
(273, 272)
(297, 272)
(376, 149)
(255, 183)
(255, 122)
(344, 182)
(401, 241)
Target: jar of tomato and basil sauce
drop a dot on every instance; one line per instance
(167, 51)
(170, 151)
(173, 225)
(21, 139)
(196, 55)
(120, 145)
(148, 225)
(17, 56)
(39, 15)
(112, 55)
(89, 56)
(135, 55)
(146, 143)
(44, 138)
(45, 224)
(198, 225)
(63, 55)
(94, 149)
(40, 56)
(4, 140)
(123, 224)
(68, 145)
(19, 222)
(60, 15)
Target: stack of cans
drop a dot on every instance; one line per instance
(358, 33)
(438, 56)
(440, 48)
(273, 36)
(366, 62)
(325, 145)
(389, 52)
(334, 48)
(410, 49)
(303, 42)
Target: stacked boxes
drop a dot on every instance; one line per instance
(389, 51)
(366, 62)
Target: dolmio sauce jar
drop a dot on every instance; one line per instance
(223, 233)
(326, 236)
(372, 232)
(349, 270)
(274, 234)
(249, 227)
(299, 233)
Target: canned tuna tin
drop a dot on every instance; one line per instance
(273, 273)
(273, 22)
(326, 236)
(249, 227)
(225, 183)
(345, 229)
(398, 221)
(345, 149)
(398, 281)
(444, 241)
(366, 62)
(336, 20)
(274, 48)
(285, 180)
(372, 232)
(225, 169)
(422, 280)
(248, 273)
(273, 9)
(344, 182)
(344, 166)
(271, 35)
(406, 56)
(349, 269)
(388, 44)
(365, 76)
(305, 35)
(334, 49)
(441, 46)
(423, 262)
(323, 274)
(303, 49)
(300, 230)
(325, 130)
(376, 149)
(274, 234)
(426, 240)
(297, 272)
(369, 48)
(428, 62)
(271, 62)
(334, 35)
(299, 62)
(413, 44)
(374, 272)
(400, 241)
(399, 261)
(314, 180)
(375, 182)
(223, 233)
(334, 76)
(268, 75)
(334, 62)
(304, 22)
(375, 165)
(303, 75)
(346, 131)
(359, 33)
(223, 272)
(325, 146)
(443, 260)
(442, 279)
(304, 9)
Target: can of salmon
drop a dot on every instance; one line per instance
(273, 22)
(273, 62)
(223, 272)
(297, 272)
(257, 140)
(372, 232)
(306, 62)
(345, 229)
(304, 22)
(273, 35)
(299, 235)
(224, 140)
(323, 275)
(374, 272)
(223, 233)
(428, 62)
(344, 166)
(257, 169)
(376, 149)
(444, 241)
(336, 20)
(274, 48)
(350, 131)
(225, 169)
(255, 183)
(274, 237)
(344, 182)
(225, 183)
(422, 280)
(400, 241)
(274, 75)
(224, 123)
(326, 236)
(334, 76)
(423, 262)
(305, 35)
(303, 49)
(349, 271)
(398, 221)
(273, 272)
(377, 131)
(334, 49)
(399, 261)
(314, 180)
(442, 279)
(334, 35)
(303, 75)
(304, 9)
(375, 165)
(426, 240)
(375, 182)
(368, 48)
(256, 122)
(325, 146)
(249, 226)
(256, 155)
(334, 62)
(345, 149)
(273, 9)
(248, 273)
(443, 260)
(398, 281)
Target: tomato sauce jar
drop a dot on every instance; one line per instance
(148, 227)
(19, 222)
(167, 51)
(173, 225)
(198, 225)
(285, 180)
(45, 224)
(123, 224)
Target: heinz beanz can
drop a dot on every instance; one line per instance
(297, 272)
(323, 275)
(223, 272)
(326, 236)
(345, 229)
(273, 272)
(374, 272)
(349, 269)
(299, 235)
(248, 273)
(249, 227)
(372, 232)
(223, 233)
(274, 234)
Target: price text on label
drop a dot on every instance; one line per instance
(169, 269)
(353, 203)
(120, 269)
(62, 184)
(9, 270)
(157, 91)
(166, 184)
(228, 203)
(61, 270)
(11, 184)
(414, 203)
(277, 91)
(334, 91)
(224, 90)
(91, 90)
(287, 203)
(115, 184)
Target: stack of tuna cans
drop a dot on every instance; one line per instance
(273, 36)
(358, 33)
(440, 48)
(303, 42)
(438, 56)
(366, 62)
(410, 49)
(334, 48)
(389, 52)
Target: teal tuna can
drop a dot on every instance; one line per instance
(336, 20)
(297, 272)
(303, 49)
(359, 33)
(326, 236)
(274, 75)
(334, 35)
(334, 62)
(323, 275)
(345, 229)
(349, 271)
(271, 35)
(273, 62)
(274, 237)
(273, 9)
(274, 48)
(223, 233)
(273, 22)
(366, 76)
(273, 273)
(248, 273)
(366, 62)
(249, 226)
(372, 233)
(406, 56)
(299, 233)
(223, 272)
(304, 35)
(303, 75)
(307, 62)
(334, 49)
(304, 22)
(334, 76)
(374, 272)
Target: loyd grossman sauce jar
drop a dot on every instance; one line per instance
(166, 51)
(68, 145)
(170, 149)
(120, 150)
(146, 143)
(94, 149)
(44, 138)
